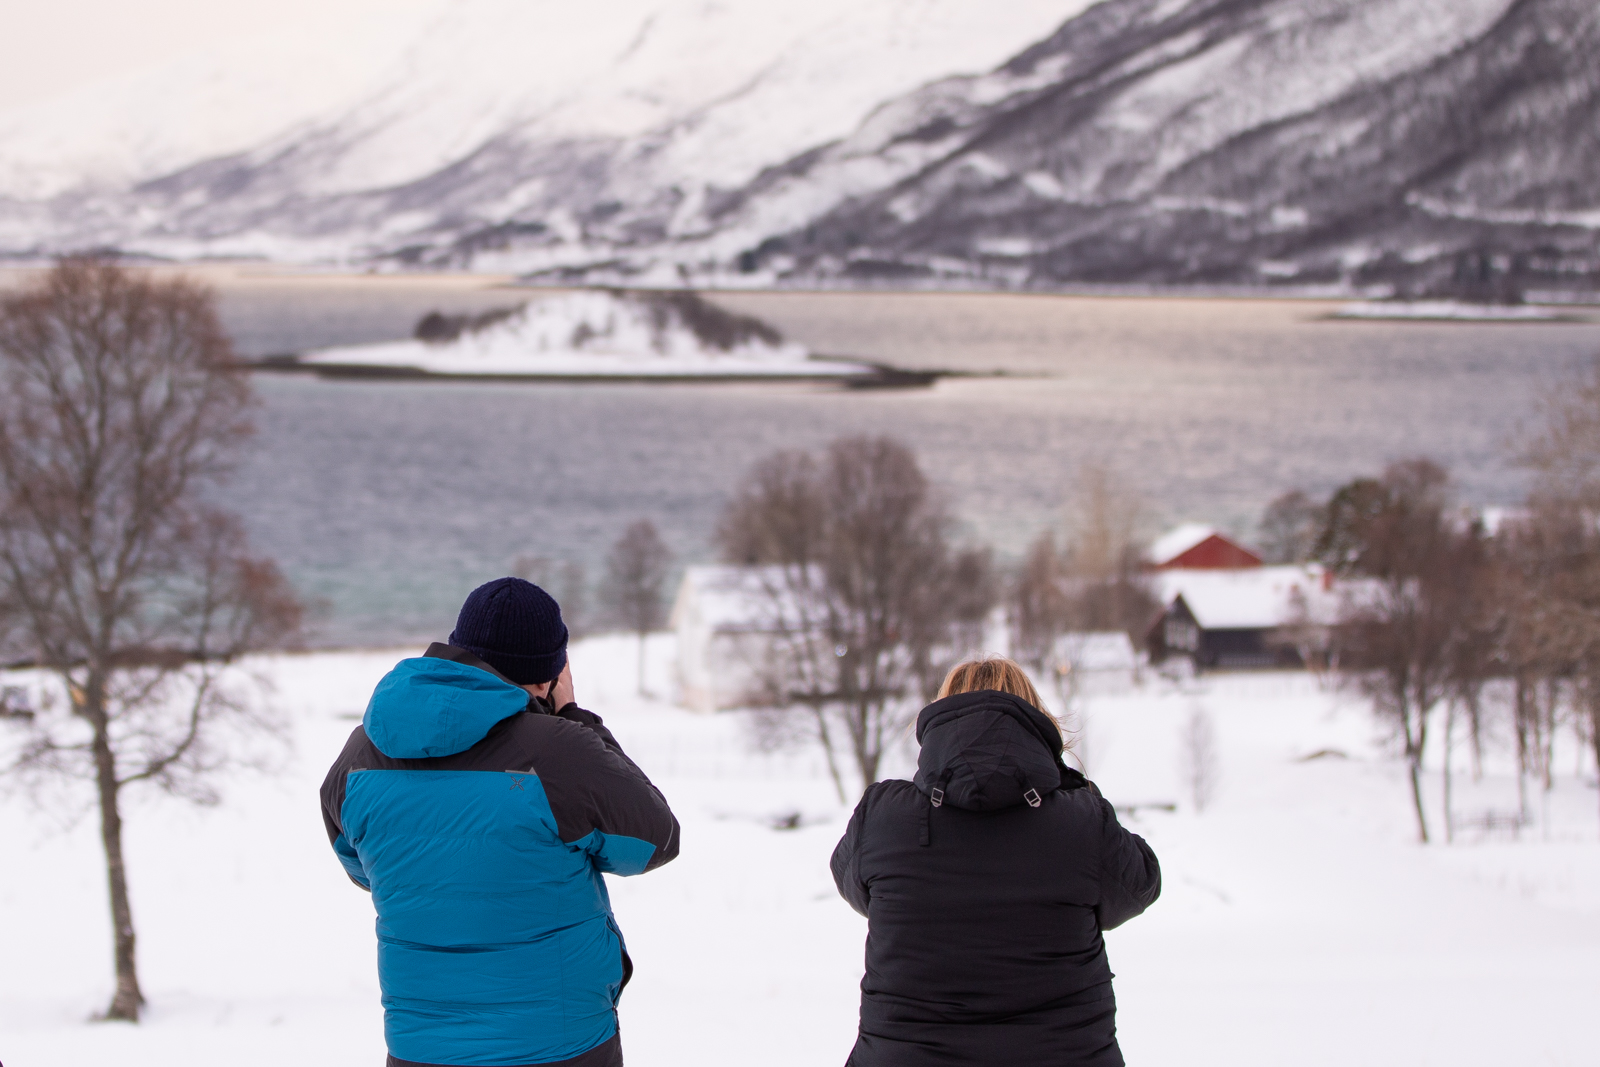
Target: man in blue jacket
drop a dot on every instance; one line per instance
(478, 804)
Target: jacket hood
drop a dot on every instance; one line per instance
(429, 707)
(987, 749)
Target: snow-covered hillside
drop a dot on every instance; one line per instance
(522, 112)
(1431, 147)
(160, 117)
(1437, 146)
(1298, 922)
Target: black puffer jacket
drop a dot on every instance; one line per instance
(986, 884)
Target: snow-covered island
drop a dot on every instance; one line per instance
(593, 335)
(1447, 311)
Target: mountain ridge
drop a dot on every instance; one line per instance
(1241, 212)
(1423, 147)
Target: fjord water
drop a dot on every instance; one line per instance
(388, 501)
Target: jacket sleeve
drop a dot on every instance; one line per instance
(846, 862)
(332, 796)
(602, 802)
(1130, 876)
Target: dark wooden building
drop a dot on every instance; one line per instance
(1226, 619)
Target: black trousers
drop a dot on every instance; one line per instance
(607, 1054)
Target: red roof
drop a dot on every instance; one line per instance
(1211, 552)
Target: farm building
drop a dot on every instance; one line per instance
(742, 629)
(731, 622)
(1249, 617)
(1194, 546)
(716, 617)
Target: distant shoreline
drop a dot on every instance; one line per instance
(245, 274)
(882, 376)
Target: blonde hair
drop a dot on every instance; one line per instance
(1000, 674)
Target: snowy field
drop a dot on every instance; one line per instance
(1299, 923)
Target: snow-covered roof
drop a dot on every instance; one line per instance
(1178, 540)
(1097, 651)
(1258, 597)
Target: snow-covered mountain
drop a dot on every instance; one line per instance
(161, 117)
(1428, 145)
(533, 120)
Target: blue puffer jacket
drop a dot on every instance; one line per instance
(481, 823)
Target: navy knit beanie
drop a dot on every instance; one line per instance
(516, 628)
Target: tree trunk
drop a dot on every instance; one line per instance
(1416, 797)
(867, 756)
(641, 663)
(827, 749)
(127, 1000)
(1594, 729)
(1520, 717)
(1548, 735)
(1449, 730)
(1475, 724)
(1414, 721)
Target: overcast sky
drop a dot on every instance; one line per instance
(53, 46)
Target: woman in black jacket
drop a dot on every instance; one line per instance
(986, 883)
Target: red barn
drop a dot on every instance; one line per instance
(1196, 547)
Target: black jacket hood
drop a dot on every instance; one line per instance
(986, 750)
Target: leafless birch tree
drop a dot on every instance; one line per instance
(122, 404)
(1404, 633)
(635, 583)
(1089, 579)
(1559, 619)
(864, 602)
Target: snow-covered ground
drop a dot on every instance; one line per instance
(594, 333)
(1299, 923)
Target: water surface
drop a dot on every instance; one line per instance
(391, 500)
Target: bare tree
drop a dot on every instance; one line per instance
(1476, 589)
(1564, 451)
(1105, 582)
(572, 592)
(1094, 581)
(778, 515)
(122, 405)
(1039, 603)
(1396, 530)
(1558, 616)
(1198, 761)
(1103, 520)
(567, 581)
(862, 595)
(635, 583)
(1289, 528)
(1550, 587)
(974, 587)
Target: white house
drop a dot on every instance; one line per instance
(739, 628)
(727, 619)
